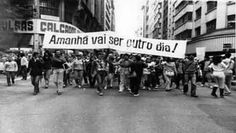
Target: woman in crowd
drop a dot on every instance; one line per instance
(218, 75)
(169, 71)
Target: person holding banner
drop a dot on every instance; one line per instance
(58, 71)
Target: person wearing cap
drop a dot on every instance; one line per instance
(10, 68)
(78, 69)
(36, 71)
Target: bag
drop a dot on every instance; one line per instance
(169, 73)
(133, 74)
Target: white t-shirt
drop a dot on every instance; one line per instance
(1, 66)
(219, 67)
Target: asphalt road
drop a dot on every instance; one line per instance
(83, 111)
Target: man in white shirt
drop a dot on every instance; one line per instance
(10, 68)
(24, 66)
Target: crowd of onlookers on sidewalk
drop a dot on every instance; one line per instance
(131, 71)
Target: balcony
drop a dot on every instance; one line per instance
(186, 26)
(187, 8)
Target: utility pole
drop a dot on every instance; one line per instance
(36, 15)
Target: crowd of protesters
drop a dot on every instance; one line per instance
(131, 71)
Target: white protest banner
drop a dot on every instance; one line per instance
(201, 53)
(102, 40)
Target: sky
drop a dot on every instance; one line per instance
(127, 13)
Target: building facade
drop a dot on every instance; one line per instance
(62, 16)
(209, 24)
(203, 23)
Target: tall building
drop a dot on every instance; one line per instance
(209, 24)
(203, 23)
(152, 19)
(36, 17)
(158, 19)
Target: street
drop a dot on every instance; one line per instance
(83, 111)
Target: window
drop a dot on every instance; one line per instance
(231, 21)
(187, 34)
(198, 13)
(211, 26)
(231, 2)
(49, 7)
(198, 31)
(183, 4)
(185, 18)
(211, 5)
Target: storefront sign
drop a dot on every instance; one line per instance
(201, 53)
(102, 40)
(36, 26)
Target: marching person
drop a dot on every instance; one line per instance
(47, 67)
(111, 72)
(92, 71)
(78, 69)
(58, 71)
(218, 68)
(124, 73)
(102, 72)
(228, 72)
(180, 73)
(36, 71)
(24, 65)
(169, 72)
(10, 68)
(190, 68)
(136, 75)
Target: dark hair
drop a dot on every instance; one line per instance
(168, 59)
(191, 58)
(35, 54)
(22, 54)
(216, 59)
(228, 55)
(137, 57)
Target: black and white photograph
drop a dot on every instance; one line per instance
(117, 66)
